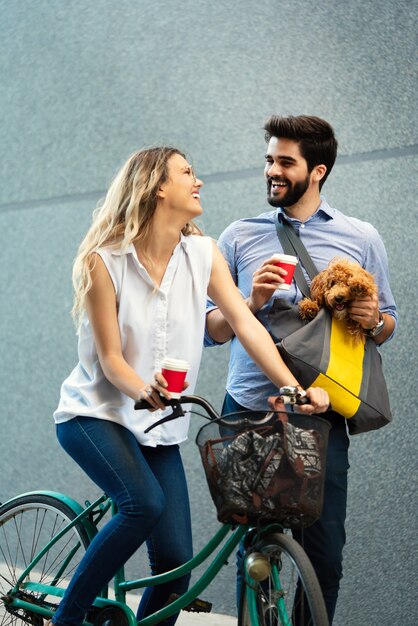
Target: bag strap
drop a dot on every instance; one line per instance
(293, 245)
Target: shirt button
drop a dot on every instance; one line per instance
(302, 225)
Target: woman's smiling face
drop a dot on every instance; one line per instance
(181, 190)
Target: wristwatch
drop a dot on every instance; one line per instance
(376, 330)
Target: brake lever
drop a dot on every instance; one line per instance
(177, 411)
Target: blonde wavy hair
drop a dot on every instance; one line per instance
(124, 216)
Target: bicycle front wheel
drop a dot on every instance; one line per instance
(27, 524)
(290, 595)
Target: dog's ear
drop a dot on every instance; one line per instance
(363, 283)
(318, 286)
(308, 309)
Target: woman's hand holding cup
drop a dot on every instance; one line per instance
(171, 381)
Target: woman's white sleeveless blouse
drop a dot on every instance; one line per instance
(154, 323)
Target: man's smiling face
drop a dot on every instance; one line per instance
(286, 173)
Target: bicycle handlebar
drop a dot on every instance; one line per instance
(290, 395)
(144, 404)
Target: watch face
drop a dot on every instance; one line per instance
(376, 330)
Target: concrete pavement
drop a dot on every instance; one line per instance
(205, 619)
(193, 619)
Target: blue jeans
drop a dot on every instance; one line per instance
(148, 486)
(323, 541)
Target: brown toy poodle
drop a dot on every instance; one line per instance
(334, 288)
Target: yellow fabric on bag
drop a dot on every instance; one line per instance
(346, 368)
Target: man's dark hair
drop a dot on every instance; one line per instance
(316, 139)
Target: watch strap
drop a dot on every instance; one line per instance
(376, 330)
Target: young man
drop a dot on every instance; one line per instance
(301, 152)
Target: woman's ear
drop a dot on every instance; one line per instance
(161, 192)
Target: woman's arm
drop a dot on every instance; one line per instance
(253, 336)
(102, 312)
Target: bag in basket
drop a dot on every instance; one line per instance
(271, 472)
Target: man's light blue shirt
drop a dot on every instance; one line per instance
(327, 234)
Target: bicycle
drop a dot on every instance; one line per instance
(43, 536)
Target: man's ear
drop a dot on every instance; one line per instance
(319, 172)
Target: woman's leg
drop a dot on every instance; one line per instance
(111, 456)
(170, 542)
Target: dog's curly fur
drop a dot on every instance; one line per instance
(334, 288)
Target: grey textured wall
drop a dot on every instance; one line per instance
(82, 85)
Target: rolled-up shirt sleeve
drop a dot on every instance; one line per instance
(376, 262)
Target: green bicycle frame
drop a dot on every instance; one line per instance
(83, 516)
(89, 518)
(252, 599)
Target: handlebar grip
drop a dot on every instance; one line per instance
(144, 404)
(303, 400)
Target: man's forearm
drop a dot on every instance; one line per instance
(217, 327)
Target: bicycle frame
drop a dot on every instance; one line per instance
(121, 586)
(252, 600)
(219, 548)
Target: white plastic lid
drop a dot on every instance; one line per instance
(175, 364)
(286, 258)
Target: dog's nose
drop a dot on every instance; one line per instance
(339, 299)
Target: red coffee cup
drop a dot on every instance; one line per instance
(288, 263)
(174, 371)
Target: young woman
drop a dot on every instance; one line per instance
(141, 280)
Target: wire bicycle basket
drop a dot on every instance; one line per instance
(265, 467)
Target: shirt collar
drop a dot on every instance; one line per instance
(131, 248)
(122, 252)
(323, 213)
